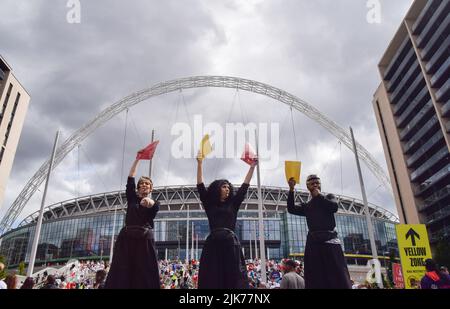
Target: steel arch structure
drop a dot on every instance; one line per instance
(178, 84)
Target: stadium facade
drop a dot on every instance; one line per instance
(82, 228)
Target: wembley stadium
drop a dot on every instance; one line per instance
(82, 228)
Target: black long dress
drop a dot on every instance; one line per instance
(325, 266)
(134, 264)
(222, 264)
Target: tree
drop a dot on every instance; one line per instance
(22, 269)
(3, 272)
(390, 276)
(442, 252)
(386, 282)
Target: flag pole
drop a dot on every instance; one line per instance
(192, 241)
(373, 245)
(151, 160)
(256, 241)
(262, 245)
(37, 232)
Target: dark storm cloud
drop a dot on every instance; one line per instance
(334, 46)
(322, 51)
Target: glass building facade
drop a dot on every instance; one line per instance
(83, 228)
(412, 106)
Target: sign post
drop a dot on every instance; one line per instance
(414, 249)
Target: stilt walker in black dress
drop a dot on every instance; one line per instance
(222, 264)
(134, 264)
(325, 266)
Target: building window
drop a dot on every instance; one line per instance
(5, 103)
(8, 130)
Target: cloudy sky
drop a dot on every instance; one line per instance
(324, 52)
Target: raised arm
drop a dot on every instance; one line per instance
(200, 185)
(133, 168)
(199, 169)
(249, 176)
(332, 202)
(240, 194)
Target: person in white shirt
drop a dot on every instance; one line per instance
(291, 280)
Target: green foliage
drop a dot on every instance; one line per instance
(3, 273)
(390, 275)
(442, 252)
(387, 284)
(22, 269)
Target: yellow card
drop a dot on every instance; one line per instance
(292, 169)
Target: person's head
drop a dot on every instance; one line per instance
(220, 190)
(313, 182)
(51, 279)
(430, 265)
(144, 186)
(413, 282)
(28, 283)
(444, 270)
(100, 276)
(2, 266)
(289, 265)
(11, 281)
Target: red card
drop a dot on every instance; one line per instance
(148, 152)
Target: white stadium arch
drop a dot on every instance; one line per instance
(178, 84)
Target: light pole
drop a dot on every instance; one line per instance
(373, 246)
(101, 240)
(178, 238)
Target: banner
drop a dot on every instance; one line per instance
(249, 155)
(398, 276)
(205, 147)
(148, 152)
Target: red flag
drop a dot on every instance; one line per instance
(148, 152)
(249, 155)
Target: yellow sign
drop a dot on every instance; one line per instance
(205, 147)
(414, 249)
(292, 169)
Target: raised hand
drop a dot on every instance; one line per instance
(199, 157)
(315, 192)
(147, 202)
(291, 183)
(199, 167)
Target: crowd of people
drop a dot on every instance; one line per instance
(176, 274)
